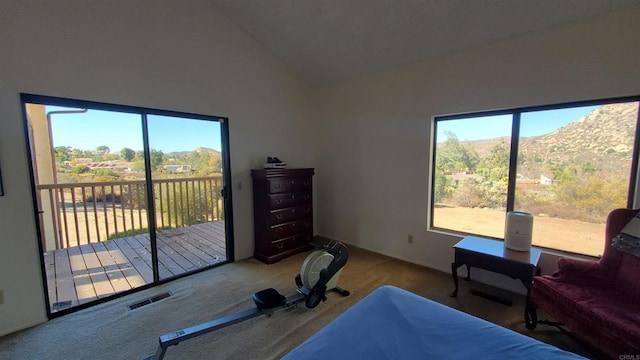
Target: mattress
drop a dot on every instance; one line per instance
(391, 323)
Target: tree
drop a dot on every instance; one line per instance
(194, 160)
(103, 149)
(495, 166)
(157, 158)
(201, 162)
(127, 154)
(215, 162)
(453, 156)
(62, 153)
(139, 155)
(441, 186)
(77, 153)
(563, 173)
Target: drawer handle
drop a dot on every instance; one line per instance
(279, 216)
(307, 210)
(278, 201)
(279, 245)
(307, 197)
(306, 183)
(293, 211)
(277, 186)
(293, 196)
(293, 225)
(293, 182)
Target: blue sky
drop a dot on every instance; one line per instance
(86, 131)
(531, 124)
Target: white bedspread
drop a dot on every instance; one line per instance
(391, 323)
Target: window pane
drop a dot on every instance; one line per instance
(186, 172)
(573, 169)
(471, 174)
(90, 191)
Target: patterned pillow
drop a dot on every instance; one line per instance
(629, 238)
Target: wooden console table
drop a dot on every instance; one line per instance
(492, 255)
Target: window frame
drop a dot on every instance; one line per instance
(633, 193)
(143, 112)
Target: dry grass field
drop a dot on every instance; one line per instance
(569, 235)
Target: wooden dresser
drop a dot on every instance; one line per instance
(282, 212)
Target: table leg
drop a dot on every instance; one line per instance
(454, 273)
(468, 272)
(530, 314)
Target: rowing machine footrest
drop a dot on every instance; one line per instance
(269, 299)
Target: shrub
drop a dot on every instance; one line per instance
(480, 194)
(80, 170)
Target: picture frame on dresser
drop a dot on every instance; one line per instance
(282, 212)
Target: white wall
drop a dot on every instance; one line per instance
(372, 151)
(375, 160)
(175, 55)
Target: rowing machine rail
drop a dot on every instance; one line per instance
(310, 296)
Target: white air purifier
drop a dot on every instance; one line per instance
(518, 230)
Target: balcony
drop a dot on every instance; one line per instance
(96, 240)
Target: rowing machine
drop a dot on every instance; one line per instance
(320, 273)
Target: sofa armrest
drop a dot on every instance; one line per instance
(582, 272)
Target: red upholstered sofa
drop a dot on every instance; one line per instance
(597, 301)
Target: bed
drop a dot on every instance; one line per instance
(391, 323)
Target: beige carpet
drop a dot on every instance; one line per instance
(111, 331)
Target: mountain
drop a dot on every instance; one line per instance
(604, 138)
(602, 141)
(199, 150)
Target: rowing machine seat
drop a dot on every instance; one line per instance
(269, 299)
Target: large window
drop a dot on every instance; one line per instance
(568, 165)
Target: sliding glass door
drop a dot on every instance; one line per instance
(125, 197)
(188, 182)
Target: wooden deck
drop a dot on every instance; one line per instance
(80, 274)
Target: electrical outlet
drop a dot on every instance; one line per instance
(1, 296)
(410, 239)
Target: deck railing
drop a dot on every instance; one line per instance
(80, 213)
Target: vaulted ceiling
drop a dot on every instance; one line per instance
(327, 41)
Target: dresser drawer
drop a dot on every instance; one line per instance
(289, 243)
(300, 184)
(290, 228)
(288, 200)
(289, 214)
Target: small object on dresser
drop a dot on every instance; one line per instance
(274, 163)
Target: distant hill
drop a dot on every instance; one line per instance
(603, 138)
(199, 150)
